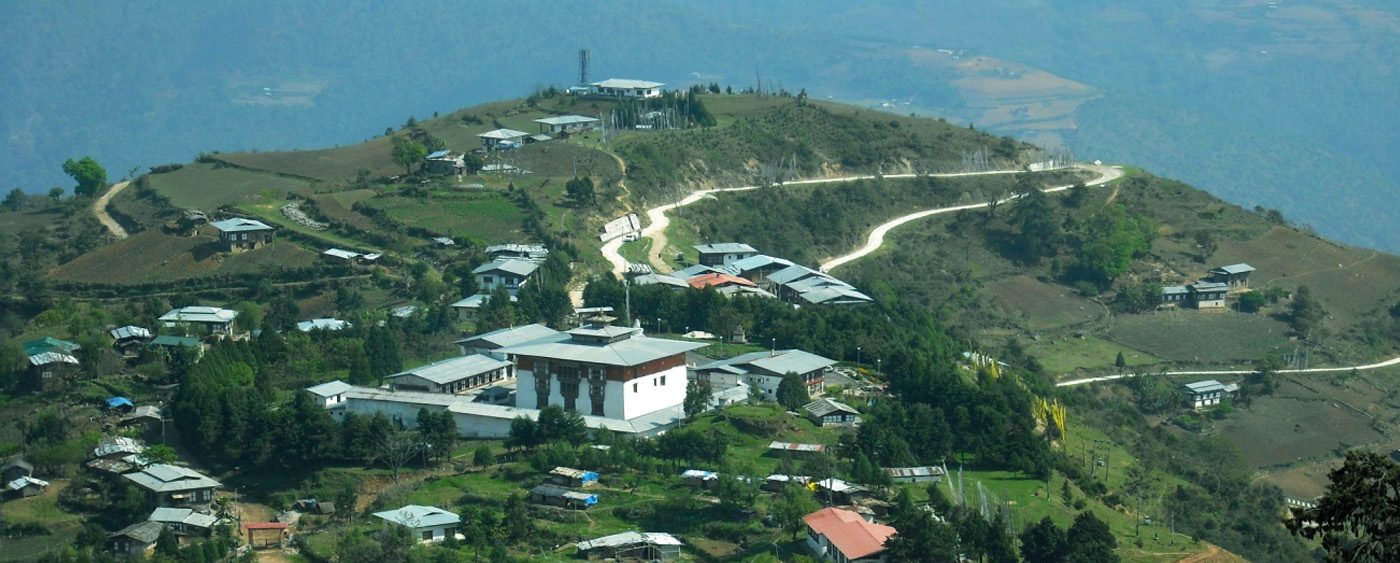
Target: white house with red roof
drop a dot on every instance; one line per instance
(845, 537)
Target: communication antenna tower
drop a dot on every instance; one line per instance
(583, 57)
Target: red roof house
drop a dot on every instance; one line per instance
(842, 535)
(717, 281)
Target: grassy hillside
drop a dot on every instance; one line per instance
(152, 257)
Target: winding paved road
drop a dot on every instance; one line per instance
(1377, 365)
(99, 208)
(658, 222)
(877, 236)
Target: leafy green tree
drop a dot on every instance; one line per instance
(161, 453)
(1138, 297)
(55, 193)
(306, 435)
(90, 175)
(407, 153)
(697, 397)
(14, 201)
(1120, 362)
(1044, 542)
(581, 191)
(1039, 226)
(1090, 540)
(793, 503)
(792, 392)
(1251, 302)
(1305, 311)
(1110, 239)
(524, 433)
(483, 456)
(919, 538)
(384, 351)
(356, 548)
(519, 524)
(438, 431)
(557, 424)
(1357, 518)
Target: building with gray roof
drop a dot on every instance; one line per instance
(172, 485)
(239, 234)
(468, 307)
(830, 412)
(509, 273)
(765, 370)
(660, 279)
(530, 252)
(1234, 275)
(136, 539)
(724, 253)
(565, 125)
(625, 88)
(425, 523)
(184, 521)
(323, 324)
(453, 375)
(1205, 394)
(644, 546)
(214, 319)
(834, 295)
(502, 139)
(330, 393)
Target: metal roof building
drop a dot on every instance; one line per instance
(452, 375)
(650, 546)
(240, 225)
(609, 345)
(199, 314)
(418, 516)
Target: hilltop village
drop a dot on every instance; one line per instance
(505, 333)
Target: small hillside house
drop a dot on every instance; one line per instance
(509, 273)
(1205, 394)
(764, 370)
(129, 338)
(170, 485)
(555, 496)
(1234, 275)
(700, 478)
(1201, 295)
(323, 324)
(14, 468)
(845, 537)
(426, 523)
(184, 521)
(828, 412)
(468, 307)
(502, 139)
(924, 474)
(212, 319)
(570, 477)
(626, 88)
(330, 393)
(531, 252)
(50, 370)
(453, 375)
(564, 125)
(25, 487)
(136, 539)
(632, 546)
(724, 253)
(444, 163)
(239, 234)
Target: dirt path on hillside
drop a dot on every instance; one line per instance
(99, 208)
(1212, 554)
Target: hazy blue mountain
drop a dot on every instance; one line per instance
(1291, 106)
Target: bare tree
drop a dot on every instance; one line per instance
(395, 448)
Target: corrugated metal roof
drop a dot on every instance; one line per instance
(712, 280)
(239, 224)
(165, 478)
(509, 265)
(129, 332)
(791, 274)
(46, 358)
(418, 516)
(759, 261)
(837, 295)
(199, 314)
(795, 447)
(454, 369)
(627, 539)
(567, 120)
(511, 336)
(323, 324)
(825, 406)
(1240, 268)
(503, 134)
(776, 364)
(1207, 386)
(725, 248)
(329, 389)
(925, 471)
(628, 83)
